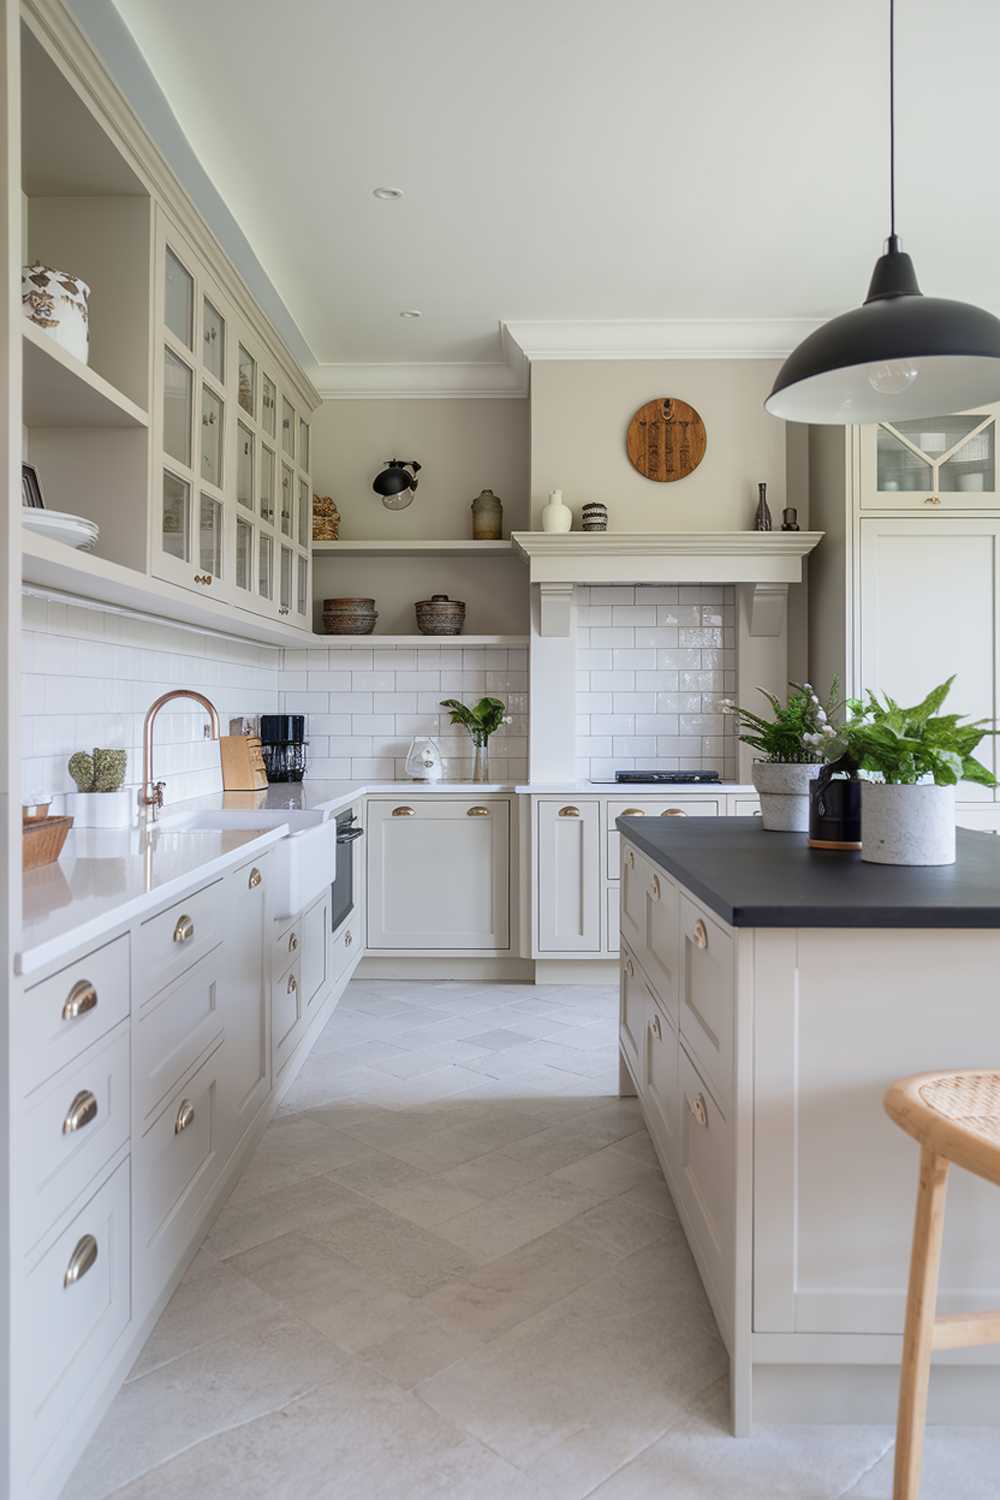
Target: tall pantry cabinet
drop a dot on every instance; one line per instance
(905, 590)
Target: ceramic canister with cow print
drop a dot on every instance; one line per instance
(57, 302)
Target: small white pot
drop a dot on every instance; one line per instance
(907, 825)
(104, 809)
(784, 795)
(556, 516)
(57, 302)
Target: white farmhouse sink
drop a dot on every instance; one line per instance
(303, 865)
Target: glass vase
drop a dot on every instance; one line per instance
(481, 762)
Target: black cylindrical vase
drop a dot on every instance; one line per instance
(835, 813)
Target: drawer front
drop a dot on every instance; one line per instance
(176, 1027)
(178, 1161)
(345, 945)
(707, 1005)
(660, 1089)
(744, 807)
(59, 1018)
(659, 950)
(75, 1305)
(314, 965)
(705, 1178)
(633, 1005)
(286, 1013)
(285, 948)
(70, 1127)
(676, 807)
(170, 943)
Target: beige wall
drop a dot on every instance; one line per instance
(580, 411)
(464, 446)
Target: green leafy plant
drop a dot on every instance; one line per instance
(103, 771)
(798, 732)
(907, 745)
(482, 720)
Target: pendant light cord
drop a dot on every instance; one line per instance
(892, 121)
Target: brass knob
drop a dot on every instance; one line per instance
(203, 578)
(933, 500)
(80, 1113)
(256, 878)
(630, 968)
(569, 812)
(81, 998)
(403, 812)
(185, 1117)
(81, 1260)
(293, 984)
(700, 934)
(633, 812)
(293, 942)
(655, 1027)
(673, 812)
(698, 1109)
(348, 939)
(477, 812)
(654, 888)
(184, 931)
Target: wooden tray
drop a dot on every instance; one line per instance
(42, 841)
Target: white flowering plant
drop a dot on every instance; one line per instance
(800, 730)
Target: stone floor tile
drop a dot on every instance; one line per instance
(426, 1201)
(608, 1173)
(207, 1305)
(494, 1229)
(303, 1206)
(958, 1462)
(402, 1255)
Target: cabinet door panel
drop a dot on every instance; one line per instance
(439, 874)
(915, 576)
(633, 1008)
(659, 1086)
(246, 1009)
(569, 877)
(313, 965)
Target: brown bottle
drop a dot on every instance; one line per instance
(762, 520)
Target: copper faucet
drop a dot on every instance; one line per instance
(151, 796)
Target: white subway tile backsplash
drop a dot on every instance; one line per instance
(633, 614)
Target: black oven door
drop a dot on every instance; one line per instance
(343, 887)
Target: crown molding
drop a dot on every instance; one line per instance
(431, 380)
(667, 338)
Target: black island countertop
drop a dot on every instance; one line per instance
(753, 878)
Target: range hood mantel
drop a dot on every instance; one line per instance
(767, 560)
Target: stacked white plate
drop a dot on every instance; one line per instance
(75, 531)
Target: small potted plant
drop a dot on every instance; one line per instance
(790, 753)
(101, 799)
(918, 756)
(484, 719)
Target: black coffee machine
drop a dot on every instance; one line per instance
(283, 746)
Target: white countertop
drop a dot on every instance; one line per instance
(107, 876)
(639, 788)
(331, 796)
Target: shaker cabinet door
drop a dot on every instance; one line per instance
(568, 877)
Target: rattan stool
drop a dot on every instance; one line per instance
(956, 1119)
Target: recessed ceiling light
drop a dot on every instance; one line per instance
(387, 192)
(411, 312)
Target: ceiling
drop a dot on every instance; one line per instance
(582, 160)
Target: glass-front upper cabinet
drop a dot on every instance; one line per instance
(931, 464)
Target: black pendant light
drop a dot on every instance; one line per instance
(397, 482)
(899, 355)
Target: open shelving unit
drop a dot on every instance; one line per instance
(420, 548)
(61, 391)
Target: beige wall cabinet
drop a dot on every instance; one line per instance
(935, 463)
(568, 877)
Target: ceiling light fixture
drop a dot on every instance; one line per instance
(900, 354)
(411, 312)
(387, 192)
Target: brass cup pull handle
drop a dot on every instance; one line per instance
(630, 859)
(673, 812)
(80, 1262)
(293, 984)
(81, 998)
(185, 1117)
(629, 968)
(698, 1109)
(569, 812)
(633, 812)
(80, 1113)
(403, 812)
(293, 942)
(700, 934)
(655, 1027)
(477, 812)
(654, 888)
(184, 930)
(256, 878)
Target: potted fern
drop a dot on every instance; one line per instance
(918, 756)
(482, 720)
(790, 753)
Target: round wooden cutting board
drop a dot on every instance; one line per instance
(666, 439)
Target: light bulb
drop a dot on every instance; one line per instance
(892, 377)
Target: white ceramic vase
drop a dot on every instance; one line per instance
(557, 516)
(907, 825)
(57, 302)
(784, 795)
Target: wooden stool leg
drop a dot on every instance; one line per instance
(918, 1338)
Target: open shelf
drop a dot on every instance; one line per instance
(422, 640)
(462, 548)
(61, 391)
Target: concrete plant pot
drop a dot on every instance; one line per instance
(907, 825)
(784, 794)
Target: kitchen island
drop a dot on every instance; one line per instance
(769, 995)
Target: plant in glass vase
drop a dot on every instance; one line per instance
(482, 720)
(789, 747)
